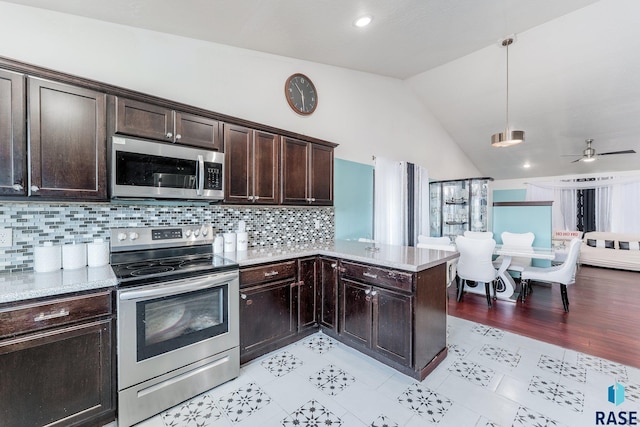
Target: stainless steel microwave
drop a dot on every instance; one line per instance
(153, 170)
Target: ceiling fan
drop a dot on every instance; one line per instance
(589, 154)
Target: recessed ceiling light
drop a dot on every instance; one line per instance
(363, 21)
(526, 165)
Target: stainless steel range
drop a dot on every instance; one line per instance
(177, 318)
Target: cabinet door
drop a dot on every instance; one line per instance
(197, 131)
(266, 316)
(321, 175)
(57, 377)
(266, 168)
(295, 172)
(328, 304)
(67, 141)
(238, 147)
(13, 141)
(392, 325)
(355, 312)
(143, 120)
(307, 294)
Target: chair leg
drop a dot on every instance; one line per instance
(524, 289)
(565, 297)
(487, 289)
(460, 288)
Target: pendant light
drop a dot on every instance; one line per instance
(508, 137)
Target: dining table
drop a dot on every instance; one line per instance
(506, 287)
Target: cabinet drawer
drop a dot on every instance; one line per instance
(32, 317)
(393, 279)
(267, 273)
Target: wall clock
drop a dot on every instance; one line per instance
(301, 94)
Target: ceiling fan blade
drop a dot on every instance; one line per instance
(577, 160)
(618, 152)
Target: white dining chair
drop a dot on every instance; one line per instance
(563, 274)
(520, 240)
(478, 234)
(475, 264)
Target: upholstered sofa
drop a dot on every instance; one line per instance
(612, 250)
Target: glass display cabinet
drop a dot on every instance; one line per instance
(458, 205)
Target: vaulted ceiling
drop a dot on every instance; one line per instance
(573, 70)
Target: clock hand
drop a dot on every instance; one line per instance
(301, 94)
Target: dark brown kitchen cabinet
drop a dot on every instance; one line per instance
(144, 120)
(57, 367)
(13, 140)
(307, 295)
(307, 173)
(267, 308)
(328, 294)
(67, 141)
(252, 167)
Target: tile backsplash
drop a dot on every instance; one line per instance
(61, 223)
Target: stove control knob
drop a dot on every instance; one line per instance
(187, 232)
(122, 236)
(196, 232)
(204, 231)
(133, 235)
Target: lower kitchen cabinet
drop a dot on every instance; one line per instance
(267, 308)
(328, 294)
(307, 295)
(60, 373)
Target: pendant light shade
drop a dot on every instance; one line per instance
(508, 137)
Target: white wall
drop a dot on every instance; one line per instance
(521, 184)
(368, 115)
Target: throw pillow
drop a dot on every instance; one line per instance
(600, 243)
(629, 246)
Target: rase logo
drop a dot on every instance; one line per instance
(615, 395)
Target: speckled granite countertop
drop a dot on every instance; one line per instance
(28, 285)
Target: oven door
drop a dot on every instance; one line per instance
(166, 326)
(146, 169)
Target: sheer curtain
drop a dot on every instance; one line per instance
(625, 205)
(390, 201)
(421, 203)
(564, 207)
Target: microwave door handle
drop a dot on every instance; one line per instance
(200, 172)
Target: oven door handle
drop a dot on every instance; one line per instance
(178, 287)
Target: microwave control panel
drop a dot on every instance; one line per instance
(213, 176)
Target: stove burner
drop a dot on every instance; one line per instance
(171, 262)
(138, 265)
(151, 270)
(196, 263)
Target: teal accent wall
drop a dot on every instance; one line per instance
(353, 199)
(522, 219)
(509, 195)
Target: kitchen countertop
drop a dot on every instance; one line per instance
(29, 284)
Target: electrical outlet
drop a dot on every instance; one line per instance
(6, 237)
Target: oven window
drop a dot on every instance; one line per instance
(168, 323)
(154, 171)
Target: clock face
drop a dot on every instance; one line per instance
(301, 94)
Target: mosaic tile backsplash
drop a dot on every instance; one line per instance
(62, 223)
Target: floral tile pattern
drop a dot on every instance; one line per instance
(281, 364)
(567, 370)
(243, 402)
(557, 393)
(200, 411)
(500, 355)
(604, 366)
(488, 331)
(456, 350)
(383, 421)
(319, 343)
(331, 380)
(312, 414)
(425, 402)
(528, 418)
(472, 372)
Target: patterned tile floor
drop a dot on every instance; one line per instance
(490, 378)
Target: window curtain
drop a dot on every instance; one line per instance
(564, 207)
(390, 196)
(421, 203)
(625, 205)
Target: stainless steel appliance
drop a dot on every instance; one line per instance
(147, 169)
(177, 318)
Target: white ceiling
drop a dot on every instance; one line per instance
(574, 69)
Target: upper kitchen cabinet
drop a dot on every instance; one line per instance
(13, 141)
(307, 173)
(252, 167)
(153, 121)
(67, 141)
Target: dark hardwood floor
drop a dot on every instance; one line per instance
(604, 316)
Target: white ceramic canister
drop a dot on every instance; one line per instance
(242, 239)
(97, 253)
(74, 256)
(218, 244)
(229, 242)
(47, 257)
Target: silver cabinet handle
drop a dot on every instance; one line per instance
(374, 293)
(367, 291)
(270, 273)
(169, 134)
(313, 199)
(17, 187)
(250, 198)
(334, 265)
(178, 136)
(256, 197)
(60, 313)
(373, 276)
(35, 188)
(243, 296)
